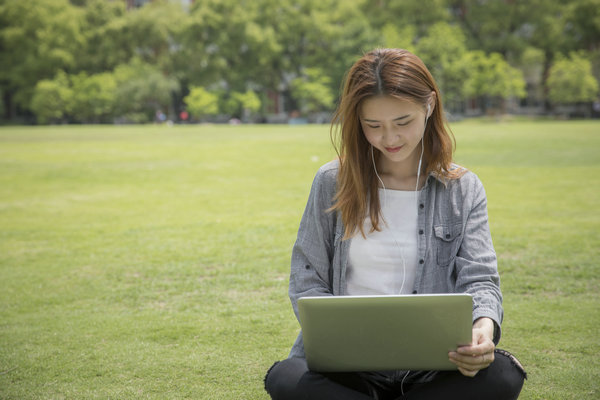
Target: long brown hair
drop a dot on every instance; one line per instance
(400, 74)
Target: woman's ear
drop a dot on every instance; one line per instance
(431, 104)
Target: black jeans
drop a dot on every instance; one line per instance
(291, 380)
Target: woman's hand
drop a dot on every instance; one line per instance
(480, 354)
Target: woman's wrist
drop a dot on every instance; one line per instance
(486, 325)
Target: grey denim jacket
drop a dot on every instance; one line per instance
(455, 249)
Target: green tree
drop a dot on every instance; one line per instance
(443, 49)
(399, 37)
(225, 45)
(142, 89)
(201, 103)
(341, 35)
(153, 34)
(107, 44)
(571, 80)
(312, 91)
(420, 14)
(490, 77)
(266, 44)
(583, 22)
(249, 101)
(239, 104)
(512, 27)
(37, 39)
(52, 99)
(94, 97)
(508, 27)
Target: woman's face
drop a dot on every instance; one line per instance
(394, 127)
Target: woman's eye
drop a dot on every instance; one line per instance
(404, 123)
(373, 126)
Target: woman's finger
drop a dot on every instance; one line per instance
(472, 362)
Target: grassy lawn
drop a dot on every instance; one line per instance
(152, 262)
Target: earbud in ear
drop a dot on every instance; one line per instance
(428, 109)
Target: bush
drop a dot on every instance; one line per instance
(238, 104)
(570, 80)
(52, 99)
(201, 103)
(93, 97)
(312, 91)
(142, 89)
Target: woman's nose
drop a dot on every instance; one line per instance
(390, 133)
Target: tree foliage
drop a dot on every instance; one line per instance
(93, 97)
(38, 38)
(571, 80)
(443, 50)
(312, 91)
(132, 93)
(127, 64)
(420, 14)
(201, 103)
(142, 89)
(490, 75)
(104, 48)
(52, 99)
(238, 104)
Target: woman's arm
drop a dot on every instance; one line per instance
(313, 251)
(477, 274)
(476, 264)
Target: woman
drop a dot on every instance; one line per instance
(394, 215)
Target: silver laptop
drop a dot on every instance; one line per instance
(380, 333)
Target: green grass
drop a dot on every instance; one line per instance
(152, 262)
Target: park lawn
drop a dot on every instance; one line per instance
(152, 261)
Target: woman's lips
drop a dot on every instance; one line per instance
(393, 149)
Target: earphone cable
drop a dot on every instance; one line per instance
(403, 261)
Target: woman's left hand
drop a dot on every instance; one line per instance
(480, 354)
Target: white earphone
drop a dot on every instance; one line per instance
(422, 147)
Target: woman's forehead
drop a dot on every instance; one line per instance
(386, 107)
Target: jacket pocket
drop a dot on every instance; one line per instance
(447, 242)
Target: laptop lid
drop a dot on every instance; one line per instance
(379, 333)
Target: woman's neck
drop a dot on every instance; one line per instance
(401, 176)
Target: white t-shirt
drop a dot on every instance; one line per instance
(386, 261)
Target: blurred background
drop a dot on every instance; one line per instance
(283, 61)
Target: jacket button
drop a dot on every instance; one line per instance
(447, 236)
(421, 206)
(421, 231)
(414, 292)
(421, 261)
